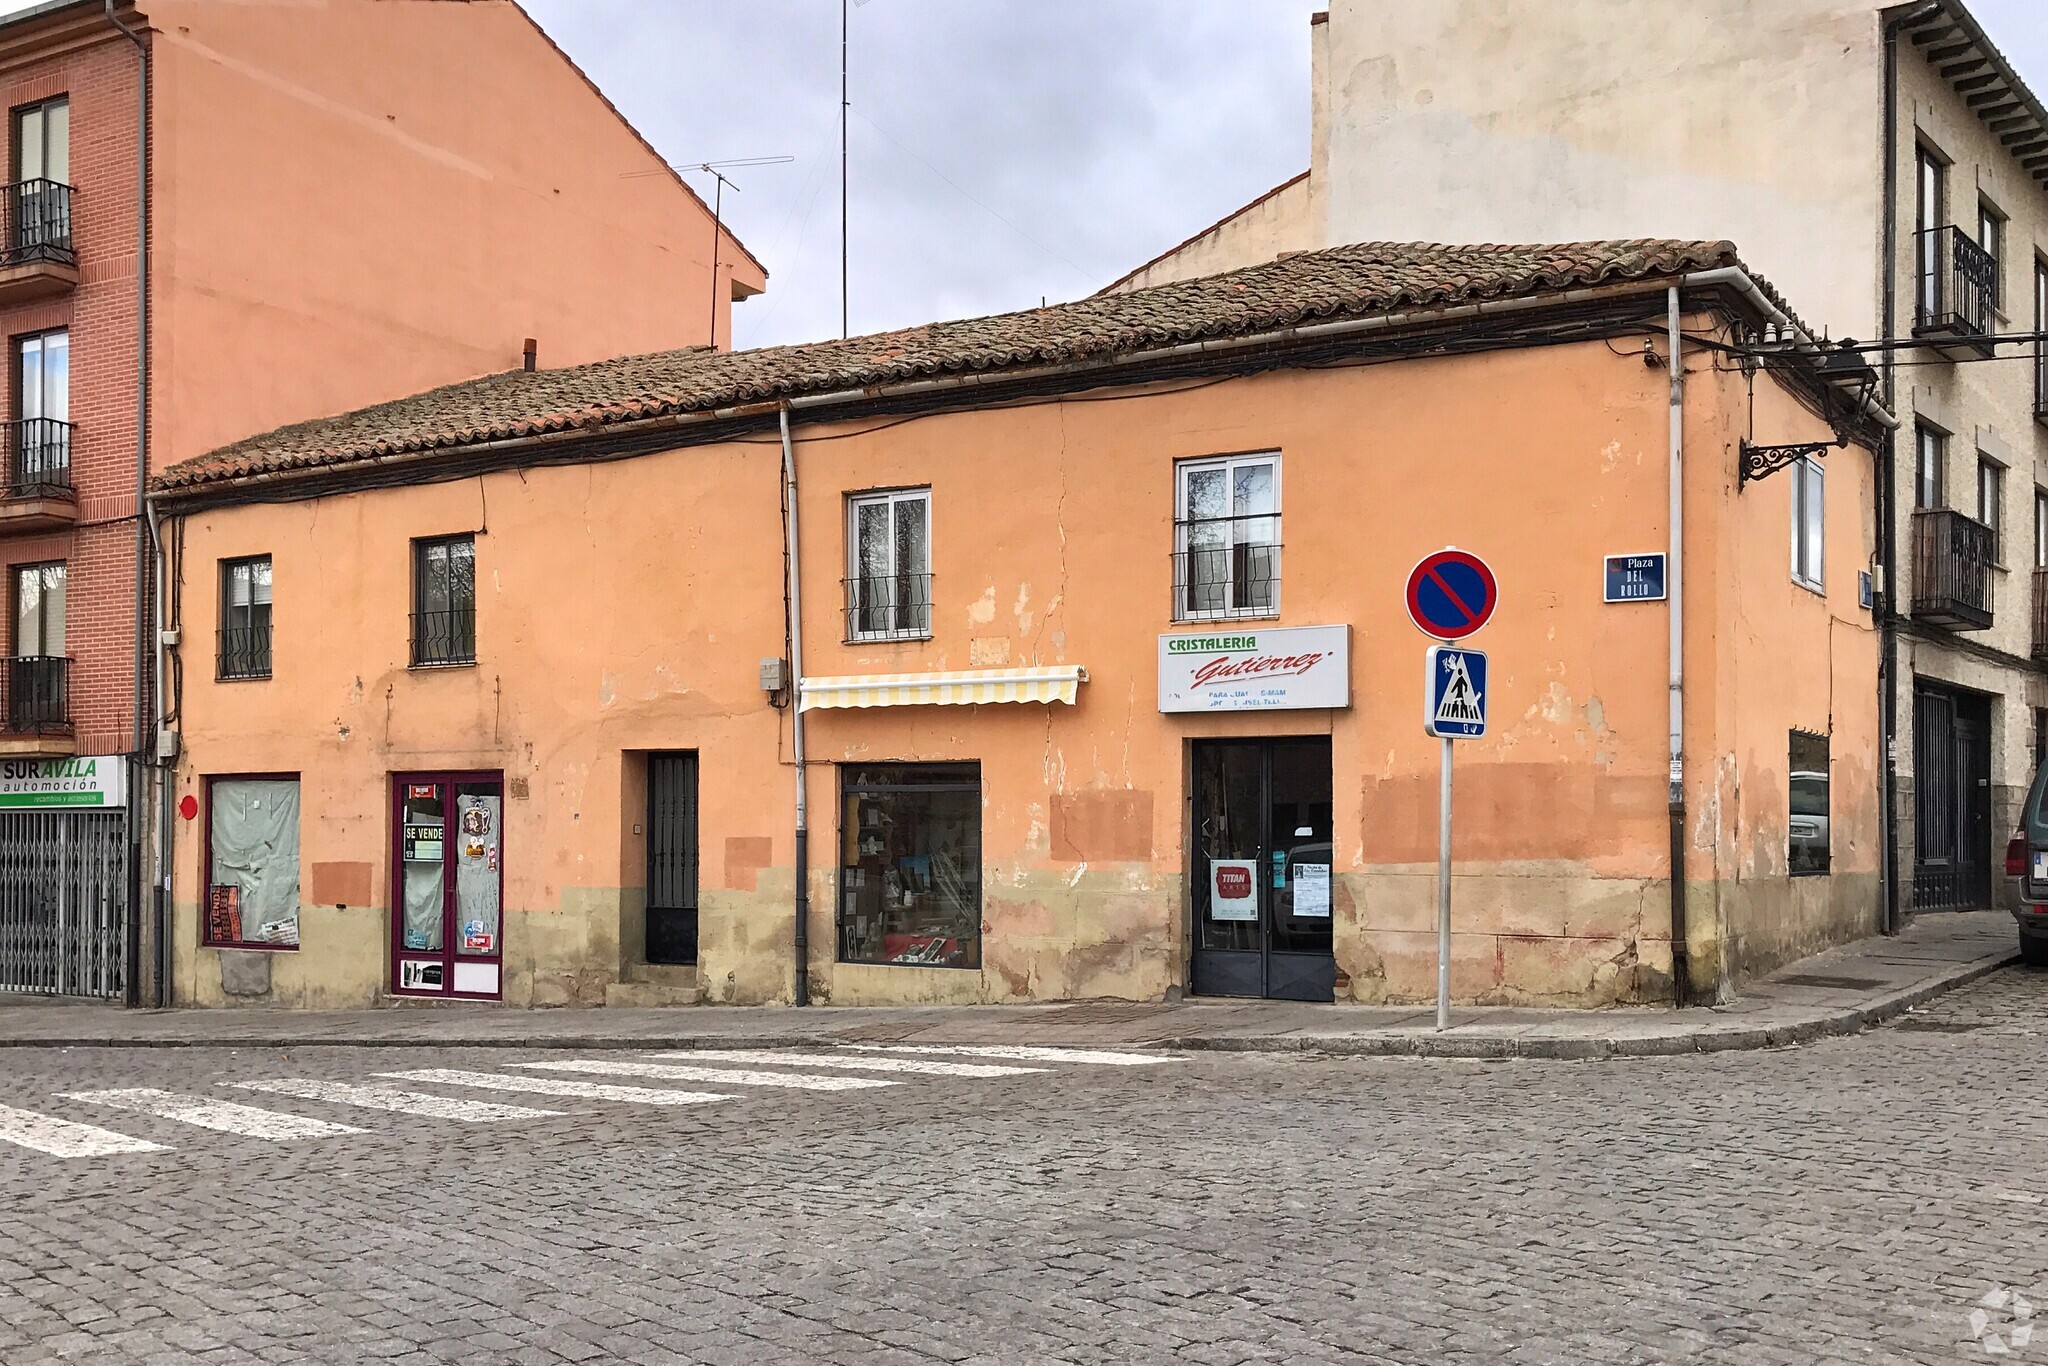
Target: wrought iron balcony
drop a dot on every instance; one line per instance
(2041, 383)
(889, 607)
(1952, 560)
(1223, 582)
(2041, 616)
(1956, 286)
(444, 637)
(38, 458)
(38, 694)
(244, 651)
(38, 226)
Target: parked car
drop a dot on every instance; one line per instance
(2026, 859)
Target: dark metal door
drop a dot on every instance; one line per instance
(672, 858)
(1260, 869)
(1952, 839)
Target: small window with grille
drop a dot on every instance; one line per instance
(889, 565)
(1226, 558)
(244, 618)
(444, 601)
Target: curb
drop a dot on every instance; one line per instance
(1734, 1038)
(1709, 1039)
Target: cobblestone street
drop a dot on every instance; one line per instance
(1852, 1201)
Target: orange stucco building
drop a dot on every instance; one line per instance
(224, 217)
(1094, 658)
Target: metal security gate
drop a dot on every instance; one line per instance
(64, 888)
(672, 858)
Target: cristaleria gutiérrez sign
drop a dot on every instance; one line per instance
(1275, 669)
(97, 783)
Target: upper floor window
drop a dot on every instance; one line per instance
(1991, 237)
(889, 565)
(1809, 523)
(42, 141)
(39, 439)
(39, 674)
(1227, 538)
(1991, 502)
(245, 617)
(2040, 528)
(2041, 338)
(444, 601)
(39, 199)
(1930, 196)
(1932, 456)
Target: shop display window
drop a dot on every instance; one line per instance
(252, 880)
(910, 865)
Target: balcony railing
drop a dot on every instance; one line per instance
(1952, 561)
(2041, 616)
(1957, 286)
(244, 651)
(38, 458)
(1220, 582)
(38, 226)
(38, 694)
(2041, 382)
(889, 607)
(444, 637)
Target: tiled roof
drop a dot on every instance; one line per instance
(1341, 282)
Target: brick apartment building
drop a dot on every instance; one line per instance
(220, 218)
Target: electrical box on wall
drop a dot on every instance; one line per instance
(775, 677)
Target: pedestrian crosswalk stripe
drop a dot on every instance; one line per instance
(718, 1076)
(226, 1116)
(396, 1100)
(1023, 1053)
(555, 1086)
(63, 1138)
(867, 1063)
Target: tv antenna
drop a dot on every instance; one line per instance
(717, 169)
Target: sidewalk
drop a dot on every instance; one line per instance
(1837, 992)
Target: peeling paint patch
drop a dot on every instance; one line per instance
(982, 610)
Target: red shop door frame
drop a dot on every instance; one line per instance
(451, 929)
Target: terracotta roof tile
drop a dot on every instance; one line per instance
(1341, 282)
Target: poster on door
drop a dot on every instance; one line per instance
(1312, 890)
(1233, 889)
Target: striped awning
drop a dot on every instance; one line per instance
(968, 687)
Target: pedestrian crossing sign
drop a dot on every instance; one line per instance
(1454, 699)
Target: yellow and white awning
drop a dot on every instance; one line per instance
(968, 687)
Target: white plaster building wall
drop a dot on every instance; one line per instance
(1987, 409)
(1275, 223)
(1562, 120)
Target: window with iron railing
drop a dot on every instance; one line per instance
(1226, 558)
(38, 673)
(889, 579)
(444, 601)
(38, 202)
(39, 438)
(245, 618)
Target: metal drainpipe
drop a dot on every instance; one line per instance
(1681, 958)
(796, 717)
(1887, 498)
(142, 529)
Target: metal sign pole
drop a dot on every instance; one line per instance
(1443, 898)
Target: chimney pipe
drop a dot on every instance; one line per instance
(531, 354)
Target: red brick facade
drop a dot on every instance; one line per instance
(100, 550)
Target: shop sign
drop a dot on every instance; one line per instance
(95, 783)
(1233, 889)
(1279, 668)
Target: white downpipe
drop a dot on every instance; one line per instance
(1675, 586)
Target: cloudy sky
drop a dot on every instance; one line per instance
(1002, 150)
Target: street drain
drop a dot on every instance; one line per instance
(1821, 979)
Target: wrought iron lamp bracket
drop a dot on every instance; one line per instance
(1759, 462)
